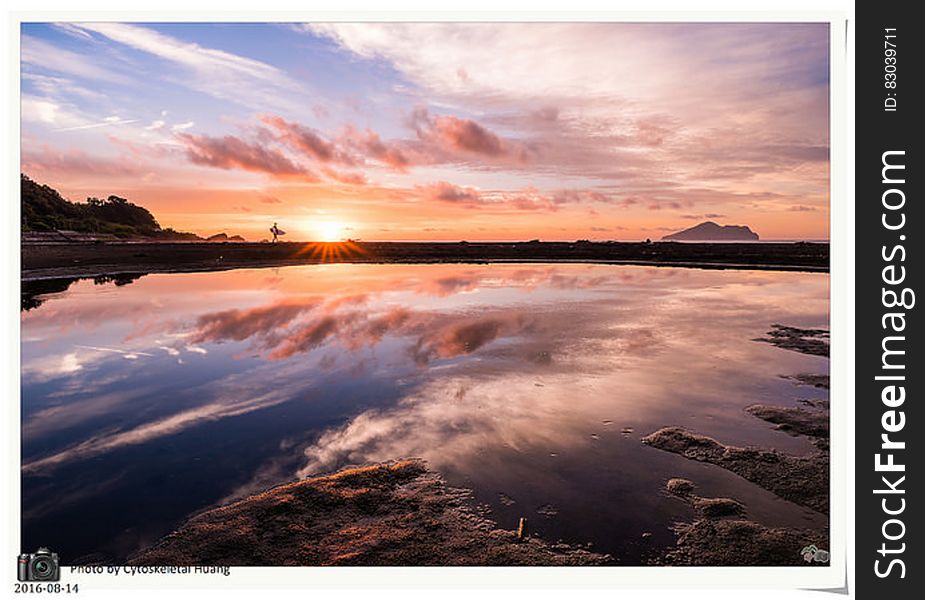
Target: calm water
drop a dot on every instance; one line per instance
(145, 401)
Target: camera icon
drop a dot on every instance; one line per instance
(40, 566)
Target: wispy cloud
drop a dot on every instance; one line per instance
(107, 122)
(222, 74)
(41, 54)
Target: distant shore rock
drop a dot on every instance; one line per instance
(708, 231)
(224, 237)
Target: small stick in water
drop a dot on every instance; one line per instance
(522, 528)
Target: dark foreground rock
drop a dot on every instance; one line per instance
(802, 480)
(813, 379)
(720, 536)
(806, 341)
(795, 421)
(395, 513)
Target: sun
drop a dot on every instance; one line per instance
(329, 231)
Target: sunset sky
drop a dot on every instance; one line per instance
(436, 131)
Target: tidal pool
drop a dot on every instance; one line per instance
(146, 399)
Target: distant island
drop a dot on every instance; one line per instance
(708, 231)
(45, 211)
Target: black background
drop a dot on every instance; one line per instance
(876, 132)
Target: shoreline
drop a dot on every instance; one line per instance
(89, 259)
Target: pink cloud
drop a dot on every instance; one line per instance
(447, 192)
(77, 162)
(527, 199)
(230, 152)
(344, 177)
(454, 136)
(239, 325)
(465, 337)
(464, 134)
(370, 144)
(307, 141)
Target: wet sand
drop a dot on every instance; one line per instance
(48, 260)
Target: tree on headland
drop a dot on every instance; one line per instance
(43, 209)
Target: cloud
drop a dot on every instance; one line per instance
(307, 141)
(60, 115)
(526, 199)
(457, 138)
(216, 72)
(443, 191)
(61, 88)
(704, 216)
(466, 336)
(240, 324)
(459, 134)
(39, 53)
(230, 152)
(57, 163)
(170, 425)
(285, 329)
(369, 143)
(108, 121)
(345, 177)
(636, 120)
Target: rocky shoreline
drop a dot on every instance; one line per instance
(89, 259)
(388, 514)
(720, 534)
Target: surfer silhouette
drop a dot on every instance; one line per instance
(276, 231)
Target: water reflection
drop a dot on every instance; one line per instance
(529, 383)
(33, 293)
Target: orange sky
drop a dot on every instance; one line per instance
(436, 131)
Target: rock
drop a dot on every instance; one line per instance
(223, 237)
(680, 487)
(819, 381)
(720, 537)
(396, 513)
(807, 341)
(714, 508)
(795, 421)
(802, 480)
(736, 542)
(505, 499)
